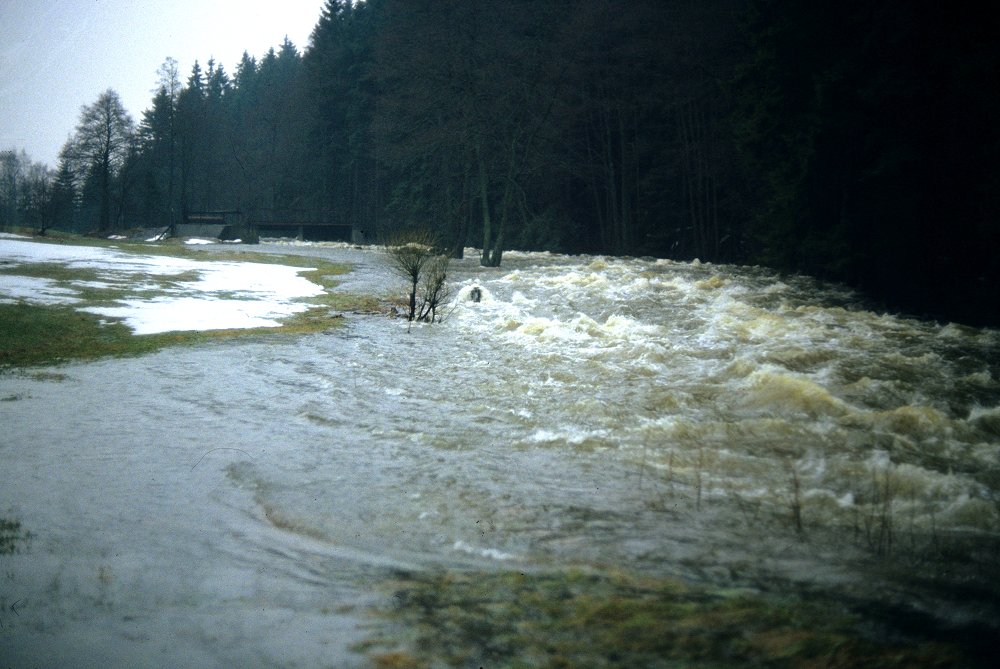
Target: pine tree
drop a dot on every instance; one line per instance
(340, 92)
(190, 131)
(170, 86)
(64, 193)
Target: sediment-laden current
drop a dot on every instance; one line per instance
(234, 503)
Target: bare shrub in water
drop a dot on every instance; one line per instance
(417, 257)
(874, 523)
(795, 503)
(879, 523)
(435, 288)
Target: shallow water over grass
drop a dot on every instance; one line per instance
(618, 431)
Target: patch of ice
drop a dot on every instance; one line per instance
(194, 241)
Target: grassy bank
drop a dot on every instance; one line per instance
(39, 334)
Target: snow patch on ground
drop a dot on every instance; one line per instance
(225, 295)
(167, 314)
(38, 290)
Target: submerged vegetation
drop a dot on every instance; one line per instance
(11, 536)
(576, 619)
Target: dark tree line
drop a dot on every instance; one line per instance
(872, 147)
(856, 141)
(26, 192)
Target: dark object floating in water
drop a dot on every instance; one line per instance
(476, 294)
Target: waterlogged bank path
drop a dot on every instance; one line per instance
(237, 504)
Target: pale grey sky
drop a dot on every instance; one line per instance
(58, 55)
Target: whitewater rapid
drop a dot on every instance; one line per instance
(720, 424)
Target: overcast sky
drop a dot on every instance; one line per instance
(58, 55)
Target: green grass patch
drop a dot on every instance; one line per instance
(54, 271)
(32, 335)
(36, 335)
(561, 620)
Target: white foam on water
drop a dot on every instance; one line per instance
(490, 553)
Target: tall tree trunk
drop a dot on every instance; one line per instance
(105, 220)
(611, 187)
(497, 252)
(172, 147)
(484, 198)
(462, 215)
(625, 218)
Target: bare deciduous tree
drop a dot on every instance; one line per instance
(24, 192)
(101, 146)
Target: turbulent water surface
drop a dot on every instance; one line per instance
(235, 503)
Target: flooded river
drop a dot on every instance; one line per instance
(237, 504)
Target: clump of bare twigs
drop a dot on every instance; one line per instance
(795, 503)
(877, 524)
(417, 256)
